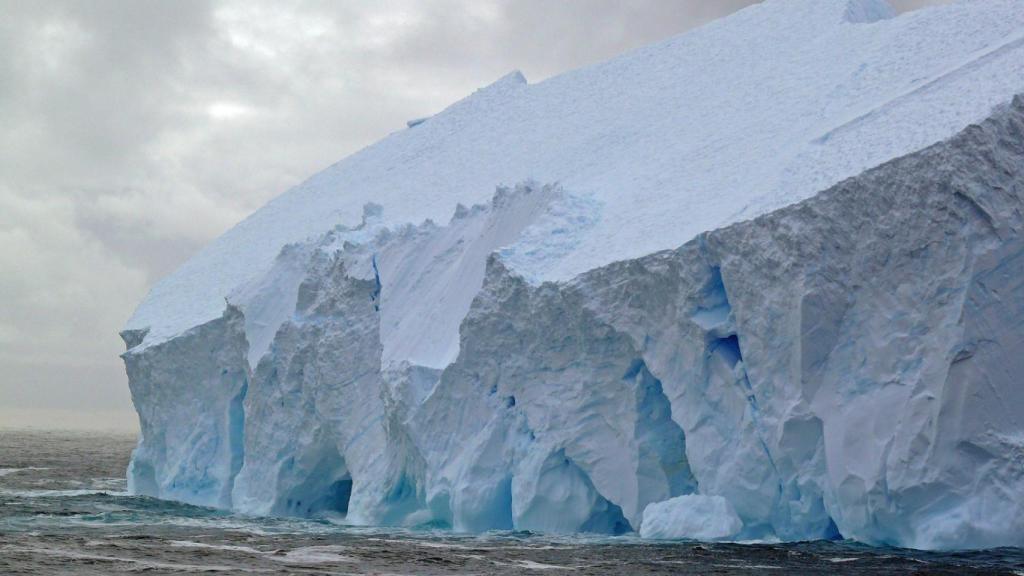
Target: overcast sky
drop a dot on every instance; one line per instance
(133, 132)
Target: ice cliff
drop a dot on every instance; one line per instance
(761, 280)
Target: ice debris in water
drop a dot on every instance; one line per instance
(693, 517)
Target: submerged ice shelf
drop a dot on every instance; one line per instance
(802, 317)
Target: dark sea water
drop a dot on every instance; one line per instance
(64, 510)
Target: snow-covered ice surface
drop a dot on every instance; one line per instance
(700, 273)
(734, 119)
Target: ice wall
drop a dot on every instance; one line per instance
(848, 365)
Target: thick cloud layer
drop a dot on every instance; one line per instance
(134, 132)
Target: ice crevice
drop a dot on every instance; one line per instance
(236, 437)
(725, 357)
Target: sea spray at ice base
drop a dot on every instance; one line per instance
(843, 362)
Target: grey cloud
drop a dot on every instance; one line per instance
(91, 84)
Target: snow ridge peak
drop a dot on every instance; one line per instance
(867, 11)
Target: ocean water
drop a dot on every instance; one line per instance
(64, 510)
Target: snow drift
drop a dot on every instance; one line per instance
(772, 268)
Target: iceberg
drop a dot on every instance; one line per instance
(763, 280)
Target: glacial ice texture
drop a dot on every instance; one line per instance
(849, 365)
